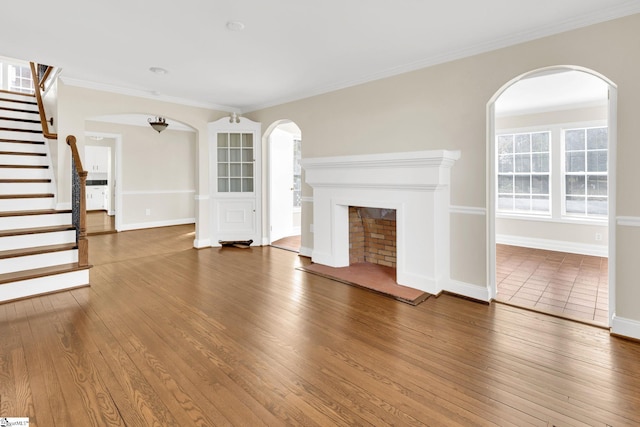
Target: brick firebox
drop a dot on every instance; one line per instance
(372, 236)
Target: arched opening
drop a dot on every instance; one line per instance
(150, 180)
(551, 225)
(284, 144)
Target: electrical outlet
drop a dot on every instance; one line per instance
(598, 237)
(148, 212)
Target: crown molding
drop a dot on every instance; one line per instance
(629, 8)
(145, 94)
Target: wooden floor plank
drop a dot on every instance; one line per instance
(171, 335)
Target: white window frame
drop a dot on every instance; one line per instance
(556, 174)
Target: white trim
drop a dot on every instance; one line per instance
(477, 292)
(155, 224)
(467, 210)
(145, 192)
(562, 220)
(625, 327)
(554, 245)
(629, 221)
(201, 197)
(65, 206)
(306, 199)
(305, 251)
(628, 8)
(201, 243)
(144, 94)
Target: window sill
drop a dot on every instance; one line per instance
(564, 220)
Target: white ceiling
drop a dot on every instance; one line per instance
(549, 91)
(289, 49)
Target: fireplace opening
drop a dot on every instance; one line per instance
(372, 236)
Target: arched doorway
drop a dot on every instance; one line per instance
(284, 141)
(552, 190)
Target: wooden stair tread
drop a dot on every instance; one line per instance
(21, 130)
(35, 230)
(37, 250)
(40, 272)
(22, 153)
(17, 119)
(21, 141)
(34, 212)
(25, 166)
(18, 101)
(26, 196)
(24, 181)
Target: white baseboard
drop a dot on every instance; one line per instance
(625, 327)
(480, 293)
(304, 251)
(201, 243)
(554, 245)
(155, 224)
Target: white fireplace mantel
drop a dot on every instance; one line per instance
(415, 184)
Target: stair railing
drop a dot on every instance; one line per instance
(38, 86)
(78, 202)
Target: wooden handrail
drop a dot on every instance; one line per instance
(43, 116)
(45, 77)
(78, 202)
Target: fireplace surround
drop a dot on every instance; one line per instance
(414, 184)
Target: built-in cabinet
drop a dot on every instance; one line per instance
(96, 159)
(97, 196)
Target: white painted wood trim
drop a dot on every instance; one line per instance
(146, 192)
(629, 221)
(625, 327)
(305, 251)
(467, 210)
(477, 292)
(155, 224)
(306, 199)
(554, 245)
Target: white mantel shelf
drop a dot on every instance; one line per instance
(415, 184)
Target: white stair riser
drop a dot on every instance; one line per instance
(33, 221)
(17, 96)
(22, 148)
(22, 136)
(20, 173)
(43, 285)
(12, 124)
(34, 240)
(9, 159)
(34, 204)
(26, 188)
(29, 262)
(17, 106)
(34, 115)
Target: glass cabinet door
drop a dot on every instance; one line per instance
(235, 162)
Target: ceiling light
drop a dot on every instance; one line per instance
(158, 70)
(158, 124)
(235, 26)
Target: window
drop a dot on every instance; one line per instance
(523, 172)
(235, 162)
(586, 172)
(20, 79)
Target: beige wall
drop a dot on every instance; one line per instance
(158, 174)
(444, 106)
(76, 105)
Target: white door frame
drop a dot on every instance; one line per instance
(117, 184)
(491, 179)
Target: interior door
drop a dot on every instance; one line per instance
(235, 180)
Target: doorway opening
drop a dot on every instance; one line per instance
(552, 140)
(285, 186)
(101, 164)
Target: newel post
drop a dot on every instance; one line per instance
(78, 202)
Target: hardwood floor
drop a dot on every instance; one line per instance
(172, 336)
(98, 222)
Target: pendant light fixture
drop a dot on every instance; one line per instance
(159, 123)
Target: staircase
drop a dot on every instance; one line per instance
(38, 249)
